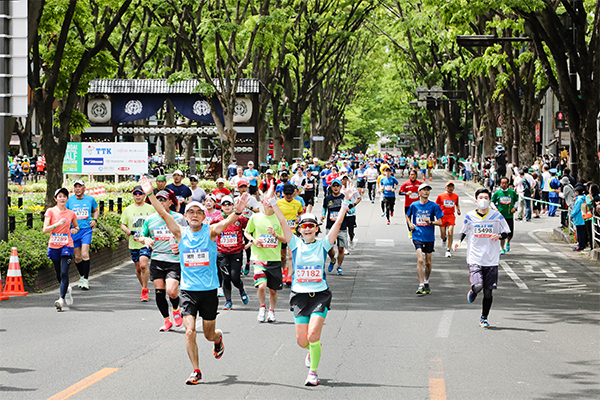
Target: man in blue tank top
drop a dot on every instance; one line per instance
(199, 277)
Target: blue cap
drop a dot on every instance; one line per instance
(553, 171)
(336, 181)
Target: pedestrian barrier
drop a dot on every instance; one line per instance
(14, 280)
(2, 295)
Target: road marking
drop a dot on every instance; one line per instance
(83, 384)
(447, 279)
(384, 242)
(467, 201)
(437, 384)
(445, 323)
(535, 248)
(520, 284)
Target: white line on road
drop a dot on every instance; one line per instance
(445, 323)
(520, 284)
(447, 279)
(535, 248)
(384, 242)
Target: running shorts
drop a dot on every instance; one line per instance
(137, 253)
(253, 189)
(309, 197)
(426, 247)
(305, 304)
(164, 270)
(199, 302)
(361, 184)
(402, 167)
(448, 220)
(423, 171)
(56, 254)
(342, 238)
(268, 272)
(511, 225)
(486, 276)
(84, 236)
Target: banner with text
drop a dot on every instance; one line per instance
(106, 158)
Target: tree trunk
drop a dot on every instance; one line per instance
(169, 138)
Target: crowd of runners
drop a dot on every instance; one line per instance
(196, 246)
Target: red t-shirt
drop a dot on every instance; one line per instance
(231, 240)
(413, 188)
(447, 202)
(331, 177)
(61, 235)
(220, 194)
(265, 185)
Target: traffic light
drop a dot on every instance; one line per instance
(560, 121)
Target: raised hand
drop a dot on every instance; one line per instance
(349, 191)
(146, 185)
(240, 206)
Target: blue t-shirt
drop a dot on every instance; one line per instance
(417, 211)
(402, 161)
(309, 265)
(83, 209)
(252, 174)
(389, 185)
(360, 174)
(301, 200)
(198, 260)
(324, 174)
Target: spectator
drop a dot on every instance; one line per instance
(577, 216)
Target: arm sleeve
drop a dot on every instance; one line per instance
(293, 244)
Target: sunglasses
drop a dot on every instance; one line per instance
(336, 185)
(307, 226)
(138, 193)
(226, 204)
(162, 199)
(193, 180)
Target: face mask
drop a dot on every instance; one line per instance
(483, 204)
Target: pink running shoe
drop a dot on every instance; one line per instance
(167, 325)
(177, 317)
(144, 295)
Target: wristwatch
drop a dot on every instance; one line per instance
(237, 213)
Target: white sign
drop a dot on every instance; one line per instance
(318, 138)
(112, 158)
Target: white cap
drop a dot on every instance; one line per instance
(269, 171)
(315, 159)
(220, 180)
(178, 171)
(424, 186)
(194, 204)
(226, 198)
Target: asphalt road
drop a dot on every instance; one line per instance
(380, 340)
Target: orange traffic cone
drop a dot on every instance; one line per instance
(14, 280)
(2, 295)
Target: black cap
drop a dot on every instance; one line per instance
(138, 188)
(284, 172)
(62, 190)
(289, 189)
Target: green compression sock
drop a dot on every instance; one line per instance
(315, 354)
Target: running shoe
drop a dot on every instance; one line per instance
(219, 349)
(383, 214)
(471, 296)
(392, 214)
(502, 252)
(80, 284)
(339, 271)
(144, 295)
(244, 296)
(271, 316)
(177, 317)
(194, 378)
(420, 289)
(388, 222)
(507, 247)
(262, 314)
(85, 284)
(312, 379)
(444, 241)
(307, 360)
(351, 246)
(331, 264)
(247, 268)
(372, 201)
(346, 252)
(220, 292)
(228, 305)
(59, 304)
(484, 323)
(426, 288)
(448, 254)
(69, 296)
(166, 326)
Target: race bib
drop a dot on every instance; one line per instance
(505, 200)
(333, 215)
(308, 273)
(196, 258)
(269, 241)
(59, 239)
(309, 186)
(449, 203)
(421, 220)
(414, 195)
(483, 230)
(162, 234)
(208, 220)
(388, 188)
(228, 240)
(82, 213)
(291, 223)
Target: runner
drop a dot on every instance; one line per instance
(323, 175)
(423, 167)
(371, 173)
(361, 181)
(230, 245)
(315, 170)
(182, 191)
(198, 262)
(132, 222)
(410, 190)
(283, 180)
(351, 214)
(448, 202)
(308, 194)
(251, 174)
(198, 194)
(252, 207)
(211, 212)
(57, 221)
(402, 165)
(430, 165)
(86, 210)
(387, 185)
(164, 265)
(267, 182)
(265, 233)
(310, 299)
(423, 215)
(484, 227)
(220, 191)
(505, 200)
(331, 209)
(291, 208)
